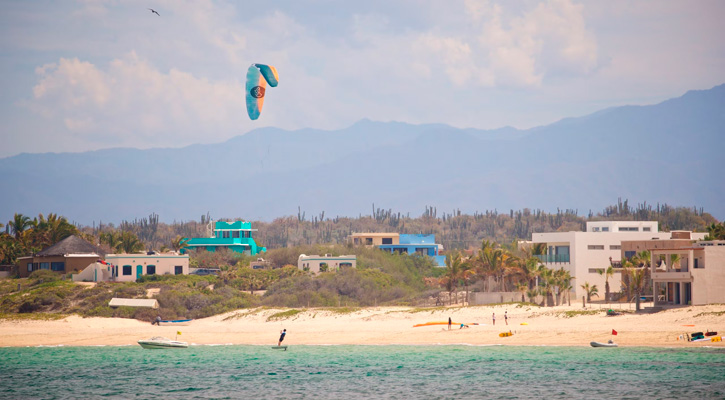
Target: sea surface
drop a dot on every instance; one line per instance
(362, 372)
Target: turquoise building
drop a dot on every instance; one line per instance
(235, 236)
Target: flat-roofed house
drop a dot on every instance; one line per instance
(374, 239)
(69, 255)
(326, 263)
(584, 254)
(130, 267)
(692, 275)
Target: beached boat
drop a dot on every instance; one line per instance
(600, 344)
(158, 342)
(175, 322)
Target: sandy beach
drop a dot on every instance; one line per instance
(387, 325)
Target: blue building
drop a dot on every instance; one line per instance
(235, 236)
(417, 244)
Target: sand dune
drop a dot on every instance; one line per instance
(386, 325)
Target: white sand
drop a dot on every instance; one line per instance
(384, 325)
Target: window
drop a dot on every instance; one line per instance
(57, 266)
(150, 269)
(235, 234)
(368, 241)
(595, 247)
(323, 267)
(605, 229)
(615, 247)
(596, 229)
(697, 264)
(127, 269)
(178, 270)
(30, 267)
(629, 254)
(646, 229)
(225, 235)
(45, 265)
(345, 265)
(387, 240)
(628, 229)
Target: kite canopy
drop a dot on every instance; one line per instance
(258, 76)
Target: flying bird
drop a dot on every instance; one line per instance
(154, 11)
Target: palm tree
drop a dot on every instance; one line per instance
(452, 275)
(590, 290)
(179, 243)
(129, 243)
(467, 272)
(608, 273)
(638, 281)
(19, 224)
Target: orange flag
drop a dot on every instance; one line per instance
(614, 332)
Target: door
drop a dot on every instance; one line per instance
(139, 271)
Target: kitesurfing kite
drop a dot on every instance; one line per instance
(258, 76)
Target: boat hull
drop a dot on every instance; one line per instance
(162, 344)
(178, 322)
(599, 344)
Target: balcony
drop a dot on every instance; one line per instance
(553, 258)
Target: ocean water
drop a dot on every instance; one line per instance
(362, 372)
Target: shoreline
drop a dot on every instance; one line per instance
(386, 326)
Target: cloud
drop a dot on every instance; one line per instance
(132, 100)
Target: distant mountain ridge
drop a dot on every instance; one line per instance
(669, 152)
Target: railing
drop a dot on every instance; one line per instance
(553, 258)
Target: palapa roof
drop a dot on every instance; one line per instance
(71, 245)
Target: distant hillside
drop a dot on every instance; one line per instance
(669, 153)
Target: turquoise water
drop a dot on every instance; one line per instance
(361, 372)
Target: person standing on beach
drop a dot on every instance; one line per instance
(506, 317)
(281, 337)
(493, 316)
(449, 323)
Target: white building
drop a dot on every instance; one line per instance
(317, 264)
(130, 267)
(584, 253)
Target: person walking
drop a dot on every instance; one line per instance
(506, 317)
(493, 316)
(449, 323)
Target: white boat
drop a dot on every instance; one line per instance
(600, 344)
(175, 322)
(158, 342)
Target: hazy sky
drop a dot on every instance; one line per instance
(95, 74)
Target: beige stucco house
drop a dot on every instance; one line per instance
(374, 239)
(317, 264)
(689, 275)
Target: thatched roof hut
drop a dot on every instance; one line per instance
(71, 245)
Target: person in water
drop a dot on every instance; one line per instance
(281, 337)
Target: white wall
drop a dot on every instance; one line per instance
(165, 264)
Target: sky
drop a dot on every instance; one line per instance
(93, 74)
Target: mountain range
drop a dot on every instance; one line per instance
(669, 152)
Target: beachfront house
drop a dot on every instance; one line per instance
(326, 263)
(69, 255)
(584, 254)
(235, 236)
(130, 267)
(692, 275)
(423, 245)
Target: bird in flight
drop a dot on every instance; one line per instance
(154, 11)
